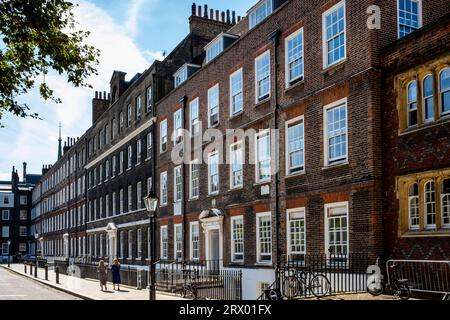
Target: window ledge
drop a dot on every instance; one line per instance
(331, 69)
(336, 165)
(295, 175)
(236, 115)
(426, 125)
(263, 264)
(262, 102)
(295, 85)
(239, 188)
(193, 199)
(427, 233)
(262, 183)
(147, 158)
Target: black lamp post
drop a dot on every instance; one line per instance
(151, 205)
(9, 251)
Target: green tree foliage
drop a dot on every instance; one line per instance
(38, 36)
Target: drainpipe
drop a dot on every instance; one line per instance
(274, 36)
(183, 102)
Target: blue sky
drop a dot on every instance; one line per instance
(130, 35)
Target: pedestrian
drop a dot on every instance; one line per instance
(102, 274)
(115, 270)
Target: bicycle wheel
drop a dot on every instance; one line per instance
(375, 287)
(403, 292)
(291, 287)
(319, 286)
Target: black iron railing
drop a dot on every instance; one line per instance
(345, 273)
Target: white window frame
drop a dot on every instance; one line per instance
(210, 106)
(130, 198)
(425, 98)
(326, 63)
(149, 138)
(444, 195)
(191, 242)
(177, 243)
(6, 211)
(163, 136)
(149, 97)
(138, 107)
(419, 7)
(210, 155)
(298, 120)
(441, 93)
(164, 243)
(425, 209)
(163, 188)
(178, 126)
(326, 225)
(257, 162)
(214, 48)
(232, 151)
(130, 157)
(130, 244)
(240, 92)
(253, 21)
(177, 184)
(139, 243)
(302, 212)
(138, 195)
(138, 151)
(259, 98)
(191, 184)
(194, 121)
(260, 215)
(290, 82)
(337, 161)
(415, 198)
(180, 76)
(233, 240)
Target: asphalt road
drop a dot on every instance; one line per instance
(16, 287)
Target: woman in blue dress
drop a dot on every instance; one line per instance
(115, 270)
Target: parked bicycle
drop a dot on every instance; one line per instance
(296, 283)
(399, 287)
(189, 288)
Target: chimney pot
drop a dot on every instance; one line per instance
(217, 15)
(233, 21)
(104, 95)
(193, 9)
(211, 14)
(223, 16)
(199, 11)
(228, 16)
(239, 18)
(205, 11)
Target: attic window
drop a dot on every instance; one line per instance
(259, 12)
(184, 73)
(220, 43)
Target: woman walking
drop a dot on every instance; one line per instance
(102, 274)
(115, 270)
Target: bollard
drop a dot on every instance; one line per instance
(57, 274)
(35, 270)
(31, 269)
(46, 272)
(25, 268)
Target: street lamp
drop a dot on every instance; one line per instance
(36, 237)
(9, 244)
(151, 205)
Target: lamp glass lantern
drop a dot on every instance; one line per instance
(150, 204)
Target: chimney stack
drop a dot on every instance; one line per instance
(223, 16)
(205, 11)
(211, 14)
(193, 9)
(24, 172)
(217, 15)
(199, 11)
(233, 21)
(228, 16)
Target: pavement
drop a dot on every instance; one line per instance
(69, 287)
(14, 287)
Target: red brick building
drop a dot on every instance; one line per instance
(416, 144)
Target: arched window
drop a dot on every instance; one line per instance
(412, 104)
(413, 201)
(445, 194)
(428, 98)
(444, 90)
(430, 205)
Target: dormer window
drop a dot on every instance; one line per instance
(184, 73)
(220, 43)
(259, 12)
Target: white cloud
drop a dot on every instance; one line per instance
(133, 14)
(36, 141)
(154, 55)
